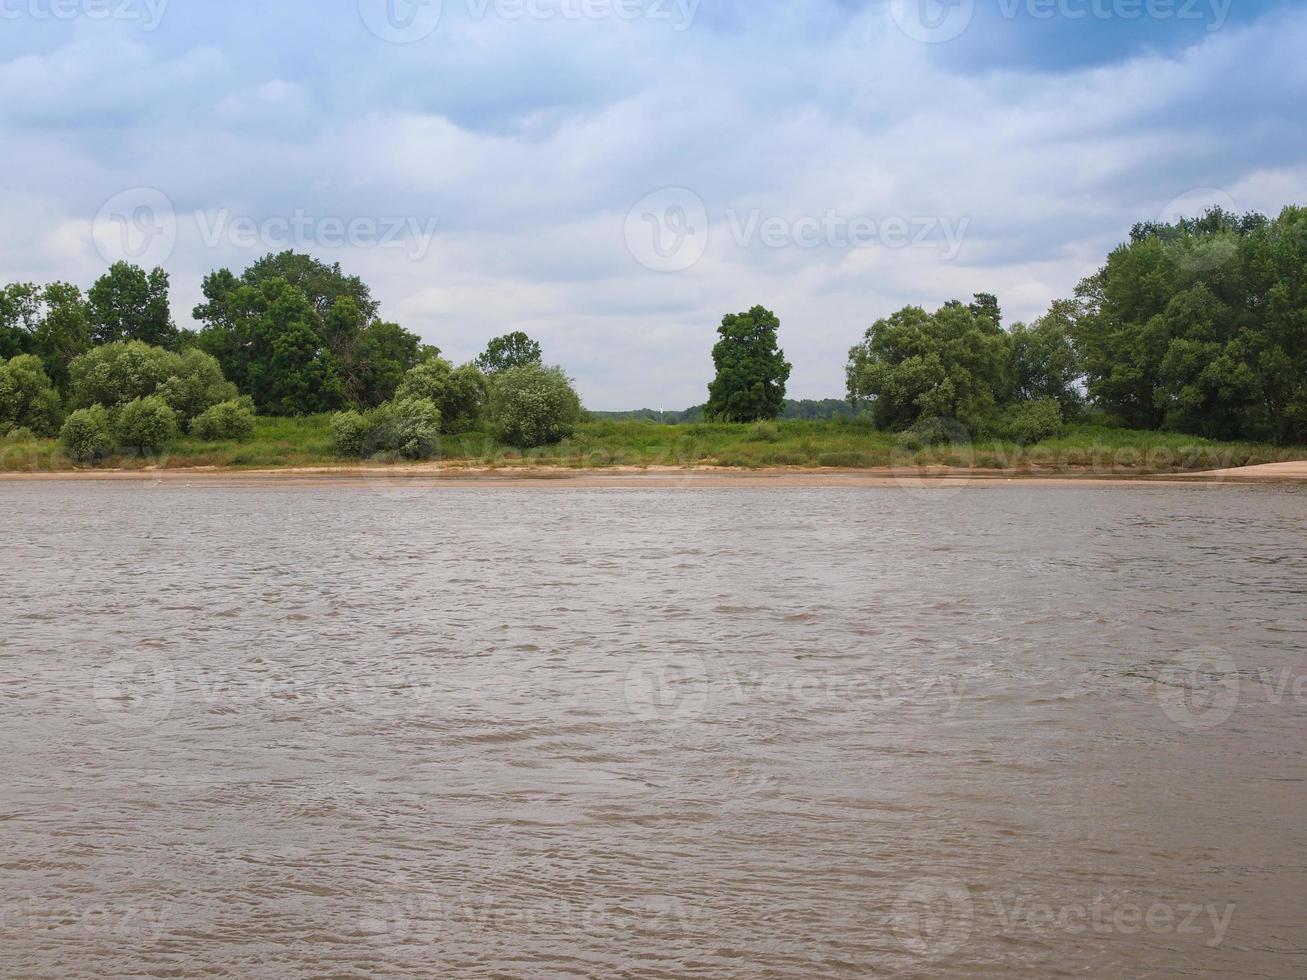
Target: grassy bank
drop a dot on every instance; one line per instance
(280, 443)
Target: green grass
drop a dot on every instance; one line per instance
(837, 443)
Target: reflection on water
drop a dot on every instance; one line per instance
(1016, 730)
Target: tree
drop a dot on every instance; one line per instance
(509, 351)
(146, 425)
(62, 330)
(195, 384)
(1045, 365)
(382, 355)
(533, 405)
(127, 303)
(986, 305)
(912, 366)
(460, 393)
(116, 374)
(751, 369)
(86, 435)
(1201, 326)
(360, 358)
(27, 398)
(20, 312)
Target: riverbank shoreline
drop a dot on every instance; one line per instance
(414, 476)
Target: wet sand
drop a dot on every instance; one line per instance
(654, 477)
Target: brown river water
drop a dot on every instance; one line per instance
(366, 730)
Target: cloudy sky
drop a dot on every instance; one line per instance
(612, 176)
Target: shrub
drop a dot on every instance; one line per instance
(116, 374)
(18, 435)
(533, 406)
(459, 393)
(146, 425)
(349, 434)
(227, 420)
(1030, 422)
(85, 435)
(27, 398)
(408, 427)
(764, 432)
(195, 384)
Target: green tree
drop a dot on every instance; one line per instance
(20, 312)
(460, 393)
(146, 425)
(127, 303)
(360, 358)
(86, 435)
(952, 364)
(532, 405)
(751, 369)
(27, 398)
(195, 384)
(1045, 365)
(509, 351)
(116, 374)
(63, 330)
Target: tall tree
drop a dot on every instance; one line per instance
(127, 303)
(509, 351)
(751, 368)
(952, 364)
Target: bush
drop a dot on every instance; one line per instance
(533, 406)
(408, 427)
(85, 435)
(349, 434)
(1030, 422)
(227, 420)
(195, 384)
(18, 435)
(116, 374)
(459, 393)
(27, 398)
(146, 425)
(764, 432)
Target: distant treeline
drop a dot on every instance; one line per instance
(812, 409)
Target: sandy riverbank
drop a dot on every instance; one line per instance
(544, 477)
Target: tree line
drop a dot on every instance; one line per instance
(1199, 327)
(109, 370)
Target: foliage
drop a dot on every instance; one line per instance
(1026, 423)
(27, 398)
(751, 369)
(230, 420)
(533, 405)
(268, 337)
(116, 374)
(300, 336)
(195, 384)
(51, 322)
(127, 303)
(407, 427)
(509, 351)
(86, 436)
(1201, 327)
(952, 364)
(459, 393)
(349, 434)
(1045, 364)
(146, 425)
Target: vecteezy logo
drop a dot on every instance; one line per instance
(933, 919)
(1199, 689)
(672, 691)
(137, 690)
(667, 231)
(932, 21)
(401, 21)
(138, 226)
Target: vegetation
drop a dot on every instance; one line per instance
(532, 405)
(1189, 347)
(751, 369)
